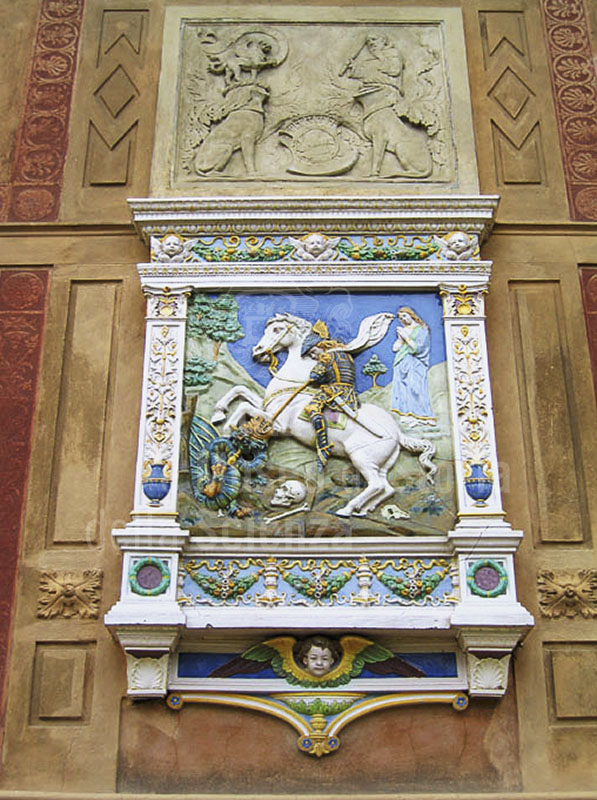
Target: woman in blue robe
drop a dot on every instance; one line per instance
(410, 390)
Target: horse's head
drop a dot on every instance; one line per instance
(280, 333)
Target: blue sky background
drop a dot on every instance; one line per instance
(342, 311)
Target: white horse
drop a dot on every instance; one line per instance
(371, 440)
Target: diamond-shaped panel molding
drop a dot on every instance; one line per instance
(510, 93)
(116, 91)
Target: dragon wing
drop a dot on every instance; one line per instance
(201, 435)
(371, 331)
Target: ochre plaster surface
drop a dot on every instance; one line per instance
(407, 750)
(540, 741)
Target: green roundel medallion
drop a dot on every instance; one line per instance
(149, 576)
(487, 578)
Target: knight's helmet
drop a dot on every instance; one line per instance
(319, 335)
(310, 341)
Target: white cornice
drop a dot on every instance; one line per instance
(330, 214)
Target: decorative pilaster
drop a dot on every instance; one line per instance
(489, 618)
(476, 462)
(153, 540)
(156, 480)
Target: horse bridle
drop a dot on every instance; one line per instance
(273, 359)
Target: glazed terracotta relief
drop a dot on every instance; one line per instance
(317, 526)
(321, 413)
(318, 684)
(317, 458)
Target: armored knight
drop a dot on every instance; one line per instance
(335, 374)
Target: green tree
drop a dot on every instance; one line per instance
(215, 317)
(198, 371)
(373, 368)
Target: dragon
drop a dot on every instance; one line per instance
(217, 462)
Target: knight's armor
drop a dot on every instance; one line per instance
(336, 375)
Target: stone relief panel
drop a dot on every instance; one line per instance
(570, 669)
(299, 102)
(588, 287)
(114, 119)
(553, 456)
(62, 683)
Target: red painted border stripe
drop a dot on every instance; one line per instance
(22, 315)
(33, 194)
(574, 84)
(588, 285)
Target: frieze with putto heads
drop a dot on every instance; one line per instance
(455, 246)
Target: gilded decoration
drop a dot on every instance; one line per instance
(318, 717)
(166, 304)
(315, 440)
(160, 412)
(567, 593)
(309, 582)
(314, 247)
(335, 419)
(318, 683)
(472, 408)
(463, 302)
(70, 594)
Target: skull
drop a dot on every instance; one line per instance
(394, 512)
(289, 493)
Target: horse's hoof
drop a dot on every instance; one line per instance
(362, 513)
(343, 512)
(218, 416)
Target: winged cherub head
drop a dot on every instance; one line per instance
(317, 654)
(172, 245)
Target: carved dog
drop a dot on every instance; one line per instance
(240, 127)
(388, 133)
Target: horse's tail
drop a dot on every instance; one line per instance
(424, 448)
